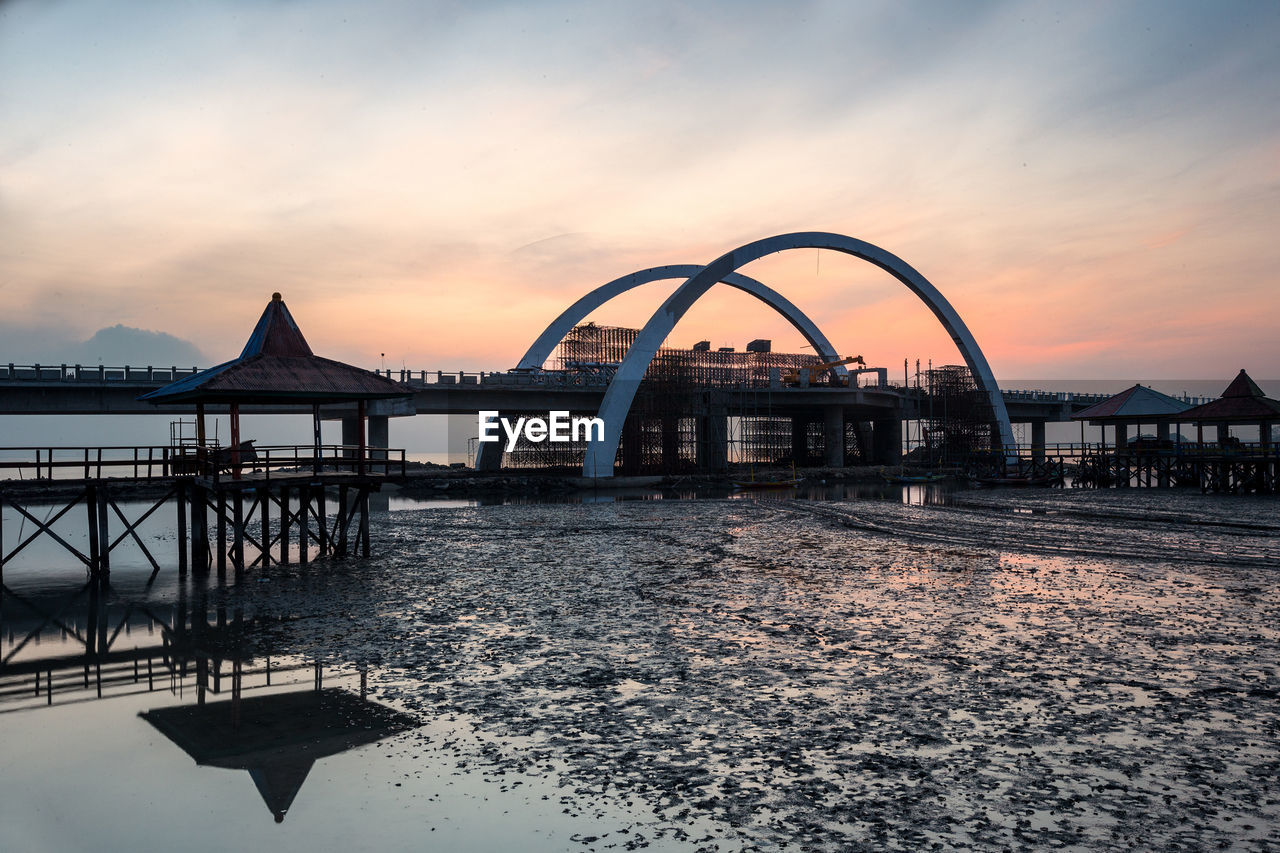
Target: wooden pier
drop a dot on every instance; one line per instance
(1237, 468)
(288, 491)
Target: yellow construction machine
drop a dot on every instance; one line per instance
(792, 375)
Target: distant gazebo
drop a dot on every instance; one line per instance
(1134, 406)
(1241, 404)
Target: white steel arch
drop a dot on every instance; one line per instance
(489, 456)
(541, 348)
(617, 401)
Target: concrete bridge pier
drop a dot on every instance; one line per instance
(1037, 442)
(833, 437)
(379, 436)
(713, 443)
(886, 441)
(800, 439)
(350, 431)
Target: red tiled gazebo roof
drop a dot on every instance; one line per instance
(1133, 405)
(1242, 402)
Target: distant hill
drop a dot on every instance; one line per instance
(120, 344)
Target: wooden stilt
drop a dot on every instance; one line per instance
(304, 534)
(343, 517)
(104, 539)
(266, 526)
(237, 518)
(364, 521)
(285, 523)
(222, 533)
(182, 530)
(200, 530)
(321, 525)
(95, 547)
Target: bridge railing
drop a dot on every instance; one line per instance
(1036, 396)
(1148, 447)
(164, 461)
(93, 373)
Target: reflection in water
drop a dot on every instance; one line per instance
(89, 641)
(910, 494)
(277, 738)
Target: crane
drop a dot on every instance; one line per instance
(791, 376)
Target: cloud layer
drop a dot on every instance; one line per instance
(1093, 187)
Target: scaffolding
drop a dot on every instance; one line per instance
(682, 392)
(957, 417)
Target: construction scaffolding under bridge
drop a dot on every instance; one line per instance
(702, 408)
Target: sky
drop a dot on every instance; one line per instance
(1093, 185)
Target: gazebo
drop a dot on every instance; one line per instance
(1134, 406)
(276, 367)
(1241, 404)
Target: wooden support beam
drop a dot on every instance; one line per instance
(182, 529)
(304, 538)
(344, 514)
(364, 520)
(321, 520)
(237, 517)
(46, 527)
(285, 521)
(222, 533)
(265, 500)
(131, 529)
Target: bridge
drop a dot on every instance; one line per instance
(73, 389)
(832, 411)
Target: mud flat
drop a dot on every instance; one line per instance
(1058, 671)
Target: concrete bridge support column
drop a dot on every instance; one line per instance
(886, 441)
(833, 437)
(379, 436)
(350, 434)
(713, 443)
(1037, 442)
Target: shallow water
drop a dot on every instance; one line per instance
(1056, 670)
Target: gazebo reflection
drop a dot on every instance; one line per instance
(277, 738)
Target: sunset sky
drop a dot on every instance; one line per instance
(1094, 186)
